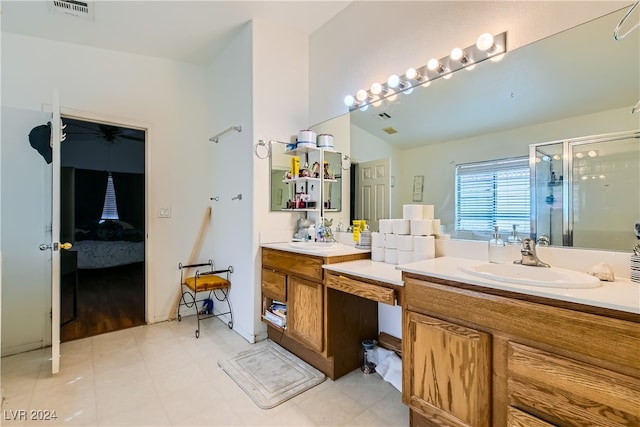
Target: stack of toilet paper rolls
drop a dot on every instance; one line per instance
(410, 239)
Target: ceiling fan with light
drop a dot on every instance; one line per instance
(79, 130)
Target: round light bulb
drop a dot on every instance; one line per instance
(485, 41)
(556, 157)
(433, 64)
(426, 83)
(457, 54)
(365, 107)
(407, 91)
(361, 95)
(592, 153)
(392, 95)
(393, 80)
(376, 88)
(411, 73)
(579, 155)
(349, 100)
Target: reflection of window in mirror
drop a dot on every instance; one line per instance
(493, 193)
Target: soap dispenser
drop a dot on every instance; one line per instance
(497, 248)
(312, 232)
(514, 239)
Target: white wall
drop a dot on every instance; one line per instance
(260, 82)
(166, 96)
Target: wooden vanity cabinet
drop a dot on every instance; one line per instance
(315, 320)
(481, 357)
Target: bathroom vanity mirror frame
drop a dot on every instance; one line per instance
(576, 83)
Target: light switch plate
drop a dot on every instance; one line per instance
(164, 212)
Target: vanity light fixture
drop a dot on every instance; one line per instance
(362, 95)
(460, 55)
(486, 42)
(349, 101)
(376, 89)
(487, 46)
(413, 74)
(435, 65)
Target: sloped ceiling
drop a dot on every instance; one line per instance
(189, 31)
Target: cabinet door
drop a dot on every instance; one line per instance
(305, 312)
(446, 369)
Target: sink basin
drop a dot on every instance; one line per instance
(534, 276)
(317, 246)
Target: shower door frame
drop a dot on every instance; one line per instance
(568, 146)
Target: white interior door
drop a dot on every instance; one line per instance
(29, 227)
(55, 246)
(372, 197)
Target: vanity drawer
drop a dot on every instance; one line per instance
(560, 390)
(274, 284)
(361, 289)
(517, 418)
(292, 263)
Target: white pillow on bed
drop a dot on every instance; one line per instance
(125, 225)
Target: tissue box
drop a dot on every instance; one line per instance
(635, 268)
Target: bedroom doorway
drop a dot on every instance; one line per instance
(103, 214)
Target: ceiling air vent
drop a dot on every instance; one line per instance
(390, 130)
(82, 9)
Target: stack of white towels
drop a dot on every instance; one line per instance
(410, 239)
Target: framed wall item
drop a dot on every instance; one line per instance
(418, 185)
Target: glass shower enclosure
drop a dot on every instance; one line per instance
(585, 192)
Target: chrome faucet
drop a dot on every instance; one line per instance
(544, 240)
(529, 256)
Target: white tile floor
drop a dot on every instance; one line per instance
(161, 375)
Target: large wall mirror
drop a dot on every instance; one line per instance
(574, 84)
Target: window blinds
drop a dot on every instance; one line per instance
(493, 193)
(110, 208)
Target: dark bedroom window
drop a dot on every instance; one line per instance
(110, 208)
(493, 193)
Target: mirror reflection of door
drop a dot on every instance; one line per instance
(372, 192)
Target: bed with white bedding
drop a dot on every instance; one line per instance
(94, 254)
(108, 244)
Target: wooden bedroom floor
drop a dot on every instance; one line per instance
(109, 299)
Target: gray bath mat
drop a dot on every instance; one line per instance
(270, 375)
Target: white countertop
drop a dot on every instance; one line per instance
(622, 294)
(315, 249)
(368, 269)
